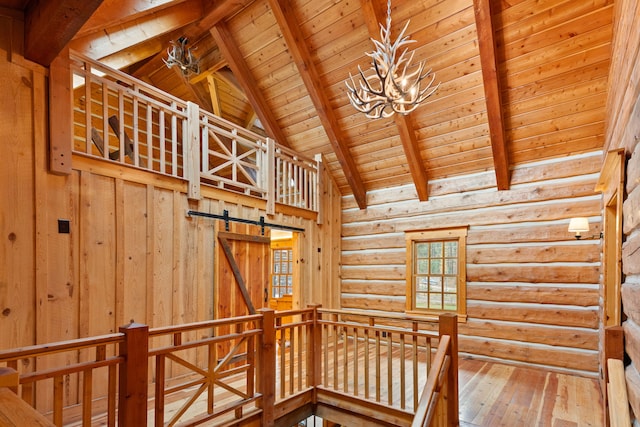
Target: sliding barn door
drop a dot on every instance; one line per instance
(242, 279)
(241, 285)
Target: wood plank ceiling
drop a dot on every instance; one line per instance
(520, 80)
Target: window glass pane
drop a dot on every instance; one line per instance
(422, 249)
(451, 266)
(423, 266)
(435, 284)
(450, 284)
(451, 249)
(436, 266)
(436, 249)
(435, 301)
(421, 300)
(422, 283)
(450, 302)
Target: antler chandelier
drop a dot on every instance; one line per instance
(395, 86)
(179, 54)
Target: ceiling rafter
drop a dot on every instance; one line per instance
(301, 56)
(374, 14)
(50, 25)
(489, 64)
(106, 42)
(113, 12)
(219, 10)
(224, 40)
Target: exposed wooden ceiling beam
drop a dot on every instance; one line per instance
(374, 14)
(135, 54)
(106, 42)
(224, 40)
(113, 12)
(488, 61)
(51, 24)
(218, 10)
(213, 93)
(300, 52)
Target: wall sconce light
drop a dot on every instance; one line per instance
(579, 225)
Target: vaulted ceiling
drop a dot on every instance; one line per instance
(520, 80)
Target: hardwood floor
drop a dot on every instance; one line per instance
(494, 395)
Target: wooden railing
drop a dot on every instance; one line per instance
(264, 368)
(123, 120)
(70, 380)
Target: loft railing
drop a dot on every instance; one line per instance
(123, 120)
(269, 368)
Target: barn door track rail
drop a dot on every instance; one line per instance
(226, 218)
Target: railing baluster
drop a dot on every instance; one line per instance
(335, 353)
(87, 111)
(211, 365)
(105, 121)
(390, 368)
(163, 140)
(160, 386)
(149, 131)
(58, 399)
(366, 362)
(111, 395)
(134, 131)
(120, 130)
(403, 380)
(345, 359)
(414, 359)
(87, 395)
(378, 363)
(356, 378)
(301, 342)
(174, 141)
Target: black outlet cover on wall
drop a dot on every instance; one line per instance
(64, 226)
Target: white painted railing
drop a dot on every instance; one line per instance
(127, 121)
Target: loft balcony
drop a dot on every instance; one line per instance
(271, 368)
(125, 121)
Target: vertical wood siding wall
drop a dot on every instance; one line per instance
(624, 132)
(532, 289)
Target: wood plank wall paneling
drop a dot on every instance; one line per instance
(532, 288)
(623, 111)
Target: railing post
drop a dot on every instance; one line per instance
(613, 348)
(314, 349)
(267, 369)
(319, 188)
(448, 325)
(9, 378)
(192, 151)
(133, 378)
(268, 170)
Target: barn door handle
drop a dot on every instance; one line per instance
(266, 295)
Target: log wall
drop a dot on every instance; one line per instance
(624, 132)
(532, 288)
(132, 253)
